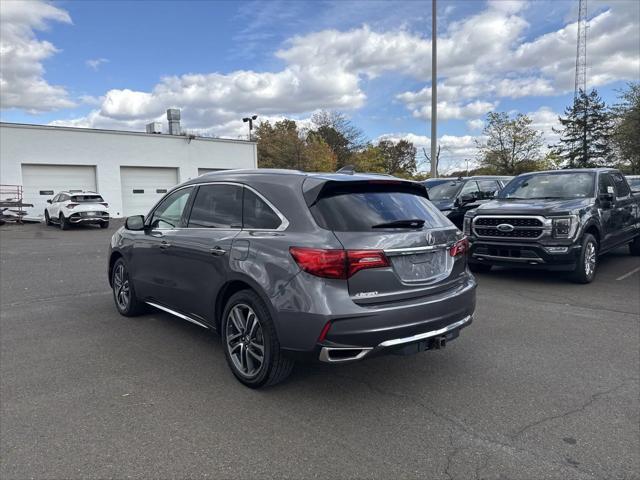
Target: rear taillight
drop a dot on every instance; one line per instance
(323, 333)
(459, 248)
(72, 205)
(341, 264)
(106, 205)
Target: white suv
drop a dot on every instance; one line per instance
(77, 206)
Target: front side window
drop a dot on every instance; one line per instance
(488, 188)
(470, 188)
(217, 206)
(605, 184)
(622, 189)
(445, 191)
(257, 214)
(550, 186)
(170, 210)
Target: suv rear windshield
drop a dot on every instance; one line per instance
(87, 199)
(550, 185)
(358, 208)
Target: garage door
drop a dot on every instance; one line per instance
(42, 182)
(202, 171)
(142, 187)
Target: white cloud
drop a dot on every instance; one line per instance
(476, 124)
(22, 84)
(94, 63)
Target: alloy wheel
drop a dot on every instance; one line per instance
(590, 259)
(245, 340)
(121, 287)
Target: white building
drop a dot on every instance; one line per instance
(130, 170)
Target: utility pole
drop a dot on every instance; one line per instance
(581, 72)
(434, 91)
(250, 120)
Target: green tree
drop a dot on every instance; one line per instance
(283, 145)
(586, 131)
(398, 158)
(626, 131)
(511, 145)
(344, 138)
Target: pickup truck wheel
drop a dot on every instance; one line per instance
(251, 343)
(479, 267)
(587, 263)
(634, 247)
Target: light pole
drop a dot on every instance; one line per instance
(434, 91)
(250, 120)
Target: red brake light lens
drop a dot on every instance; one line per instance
(340, 264)
(461, 247)
(323, 333)
(361, 259)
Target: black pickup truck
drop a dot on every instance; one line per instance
(557, 220)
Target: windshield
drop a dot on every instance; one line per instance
(429, 184)
(445, 191)
(368, 208)
(87, 199)
(634, 183)
(550, 185)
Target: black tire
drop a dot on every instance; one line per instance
(479, 267)
(634, 247)
(64, 223)
(119, 282)
(47, 219)
(274, 367)
(587, 263)
(104, 225)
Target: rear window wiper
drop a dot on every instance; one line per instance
(408, 223)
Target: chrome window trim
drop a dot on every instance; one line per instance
(284, 222)
(545, 227)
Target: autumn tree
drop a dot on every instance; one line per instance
(510, 145)
(586, 130)
(626, 131)
(344, 138)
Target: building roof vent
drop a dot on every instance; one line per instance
(154, 127)
(173, 116)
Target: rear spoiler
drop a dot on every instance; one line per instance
(314, 188)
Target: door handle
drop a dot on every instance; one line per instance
(164, 245)
(217, 251)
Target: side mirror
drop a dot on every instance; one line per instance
(606, 199)
(467, 198)
(49, 201)
(135, 222)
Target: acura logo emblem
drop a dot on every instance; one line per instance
(429, 238)
(505, 227)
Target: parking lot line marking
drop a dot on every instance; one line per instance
(628, 274)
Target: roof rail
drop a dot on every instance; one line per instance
(347, 170)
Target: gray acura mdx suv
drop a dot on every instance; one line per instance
(288, 265)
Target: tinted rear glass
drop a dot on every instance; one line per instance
(445, 191)
(87, 198)
(359, 208)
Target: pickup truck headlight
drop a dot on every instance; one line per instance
(466, 226)
(564, 227)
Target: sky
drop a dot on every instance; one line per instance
(121, 64)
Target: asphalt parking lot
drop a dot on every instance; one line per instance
(544, 384)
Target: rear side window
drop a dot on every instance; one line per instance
(87, 198)
(217, 206)
(360, 208)
(257, 214)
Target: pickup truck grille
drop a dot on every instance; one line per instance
(529, 228)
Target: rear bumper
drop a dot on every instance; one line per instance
(524, 255)
(379, 329)
(81, 218)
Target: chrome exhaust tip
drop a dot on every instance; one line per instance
(342, 354)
